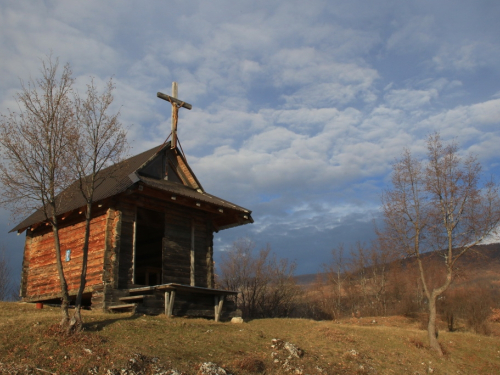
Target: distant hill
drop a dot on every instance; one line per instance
(481, 262)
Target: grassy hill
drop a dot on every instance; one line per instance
(478, 263)
(31, 343)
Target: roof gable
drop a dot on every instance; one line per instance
(170, 165)
(161, 167)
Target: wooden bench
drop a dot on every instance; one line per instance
(171, 289)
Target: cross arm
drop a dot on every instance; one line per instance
(169, 98)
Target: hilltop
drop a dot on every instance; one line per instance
(111, 343)
(479, 263)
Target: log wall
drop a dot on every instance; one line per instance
(111, 250)
(40, 278)
(125, 265)
(176, 262)
(177, 246)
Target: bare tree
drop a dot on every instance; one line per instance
(100, 145)
(438, 204)
(267, 286)
(336, 277)
(35, 149)
(57, 146)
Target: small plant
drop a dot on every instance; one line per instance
(495, 315)
(416, 342)
(250, 363)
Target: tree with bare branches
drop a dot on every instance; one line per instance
(35, 167)
(101, 143)
(438, 204)
(57, 146)
(266, 285)
(336, 277)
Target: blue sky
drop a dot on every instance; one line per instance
(299, 108)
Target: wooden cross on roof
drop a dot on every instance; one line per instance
(176, 104)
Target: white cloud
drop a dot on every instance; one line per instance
(299, 108)
(412, 35)
(410, 99)
(467, 56)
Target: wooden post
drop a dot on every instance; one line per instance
(174, 116)
(167, 300)
(176, 104)
(134, 243)
(192, 254)
(219, 302)
(216, 308)
(209, 256)
(169, 303)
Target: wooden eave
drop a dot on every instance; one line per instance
(127, 177)
(224, 214)
(71, 216)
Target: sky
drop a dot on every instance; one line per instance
(299, 107)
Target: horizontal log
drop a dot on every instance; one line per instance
(169, 98)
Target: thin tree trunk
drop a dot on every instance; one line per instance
(431, 327)
(76, 322)
(62, 279)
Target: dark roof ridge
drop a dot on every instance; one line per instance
(111, 186)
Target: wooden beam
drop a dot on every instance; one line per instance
(192, 254)
(169, 302)
(175, 100)
(189, 202)
(219, 302)
(167, 299)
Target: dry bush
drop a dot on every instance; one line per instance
(472, 305)
(266, 285)
(250, 363)
(495, 315)
(478, 311)
(419, 344)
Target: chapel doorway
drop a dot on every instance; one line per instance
(150, 227)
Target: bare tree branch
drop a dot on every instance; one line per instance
(438, 205)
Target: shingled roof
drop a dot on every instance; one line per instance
(124, 175)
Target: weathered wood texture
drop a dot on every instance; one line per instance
(187, 304)
(112, 245)
(176, 243)
(40, 279)
(177, 247)
(126, 248)
(174, 99)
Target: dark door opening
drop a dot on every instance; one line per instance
(150, 227)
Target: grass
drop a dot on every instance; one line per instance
(30, 339)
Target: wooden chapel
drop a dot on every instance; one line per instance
(151, 240)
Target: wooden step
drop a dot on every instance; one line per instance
(139, 297)
(123, 306)
(143, 289)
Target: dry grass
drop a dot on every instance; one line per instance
(395, 345)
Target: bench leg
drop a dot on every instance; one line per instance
(218, 303)
(169, 303)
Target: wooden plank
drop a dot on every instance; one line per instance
(124, 306)
(171, 301)
(132, 298)
(195, 289)
(175, 100)
(167, 300)
(142, 289)
(192, 255)
(219, 302)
